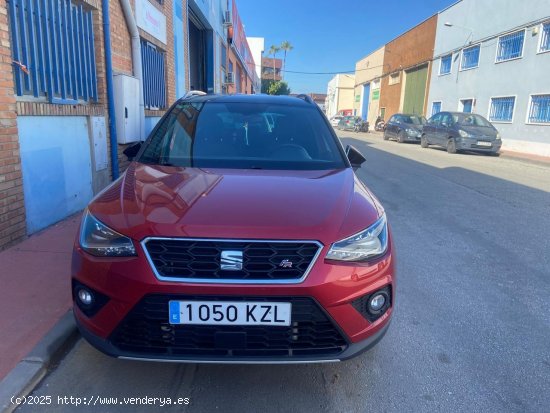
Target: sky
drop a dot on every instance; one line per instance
(330, 36)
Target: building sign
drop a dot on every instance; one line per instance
(375, 94)
(357, 98)
(150, 19)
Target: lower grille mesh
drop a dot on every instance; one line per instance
(146, 331)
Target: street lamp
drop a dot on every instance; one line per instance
(449, 24)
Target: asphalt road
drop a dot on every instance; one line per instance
(472, 326)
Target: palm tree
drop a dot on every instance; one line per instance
(273, 50)
(286, 47)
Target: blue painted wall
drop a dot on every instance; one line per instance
(150, 123)
(56, 166)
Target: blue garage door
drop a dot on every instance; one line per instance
(365, 106)
(56, 166)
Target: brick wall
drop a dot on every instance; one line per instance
(411, 48)
(12, 208)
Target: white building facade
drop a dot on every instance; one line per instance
(496, 63)
(340, 95)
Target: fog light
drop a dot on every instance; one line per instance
(377, 302)
(85, 296)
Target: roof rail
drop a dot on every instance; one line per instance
(192, 93)
(305, 97)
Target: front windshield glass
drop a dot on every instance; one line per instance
(244, 136)
(415, 120)
(468, 119)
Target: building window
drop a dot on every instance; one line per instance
(502, 109)
(510, 46)
(53, 50)
(445, 64)
(394, 78)
(545, 38)
(470, 58)
(466, 105)
(224, 56)
(436, 107)
(539, 109)
(154, 83)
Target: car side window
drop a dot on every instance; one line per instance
(434, 120)
(446, 120)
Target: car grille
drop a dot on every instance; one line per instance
(146, 331)
(266, 261)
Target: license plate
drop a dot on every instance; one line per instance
(236, 313)
(481, 143)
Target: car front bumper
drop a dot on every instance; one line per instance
(126, 282)
(472, 144)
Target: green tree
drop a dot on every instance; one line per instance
(279, 88)
(273, 50)
(266, 84)
(285, 47)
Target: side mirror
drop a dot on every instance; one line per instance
(355, 157)
(132, 151)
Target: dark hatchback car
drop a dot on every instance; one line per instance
(458, 131)
(404, 128)
(348, 122)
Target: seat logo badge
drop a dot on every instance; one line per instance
(231, 260)
(285, 264)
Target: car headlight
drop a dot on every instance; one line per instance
(498, 136)
(464, 134)
(98, 239)
(367, 244)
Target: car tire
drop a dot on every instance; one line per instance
(424, 142)
(401, 137)
(385, 136)
(451, 146)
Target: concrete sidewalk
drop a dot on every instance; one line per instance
(35, 290)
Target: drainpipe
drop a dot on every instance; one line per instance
(110, 95)
(136, 59)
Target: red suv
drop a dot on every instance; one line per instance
(239, 233)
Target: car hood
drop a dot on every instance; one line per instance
(246, 204)
(479, 131)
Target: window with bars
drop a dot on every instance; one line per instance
(510, 46)
(436, 107)
(154, 80)
(502, 109)
(539, 109)
(545, 38)
(470, 58)
(53, 50)
(445, 64)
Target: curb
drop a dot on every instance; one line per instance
(33, 367)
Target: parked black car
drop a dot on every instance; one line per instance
(458, 131)
(404, 128)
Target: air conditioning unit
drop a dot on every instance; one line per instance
(229, 78)
(228, 19)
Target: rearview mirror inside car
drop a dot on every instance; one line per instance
(355, 157)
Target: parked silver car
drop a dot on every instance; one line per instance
(458, 131)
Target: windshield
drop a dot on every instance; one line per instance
(468, 119)
(243, 136)
(415, 120)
